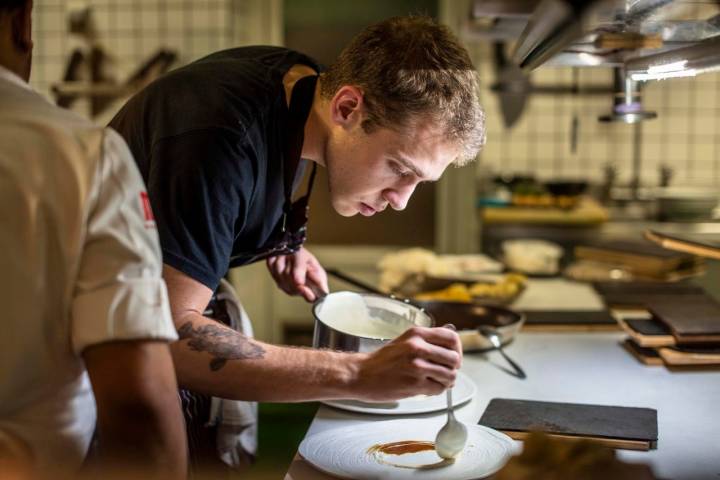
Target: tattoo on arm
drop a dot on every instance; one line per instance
(221, 342)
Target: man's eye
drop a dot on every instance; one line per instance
(399, 171)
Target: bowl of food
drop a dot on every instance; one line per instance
(500, 291)
(566, 188)
(532, 256)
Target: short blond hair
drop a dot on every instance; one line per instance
(412, 68)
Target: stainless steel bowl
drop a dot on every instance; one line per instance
(398, 314)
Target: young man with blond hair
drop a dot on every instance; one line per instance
(222, 144)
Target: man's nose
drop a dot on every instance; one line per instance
(399, 197)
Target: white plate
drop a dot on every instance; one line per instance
(344, 451)
(462, 392)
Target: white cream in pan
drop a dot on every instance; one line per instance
(368, 316)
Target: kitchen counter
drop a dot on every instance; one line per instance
(586, 368)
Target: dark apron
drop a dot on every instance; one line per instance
(201, 432)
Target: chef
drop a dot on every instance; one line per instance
(222, 144)
(86, 322)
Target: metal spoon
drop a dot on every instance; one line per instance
(492, 335)
(451, 438)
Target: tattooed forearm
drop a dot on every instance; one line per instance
(221, 342)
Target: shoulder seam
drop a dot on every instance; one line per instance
(243, 135)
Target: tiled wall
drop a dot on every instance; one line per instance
(131, 31)
(685, 135)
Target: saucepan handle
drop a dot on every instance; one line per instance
(354, 281)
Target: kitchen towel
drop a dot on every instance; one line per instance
(236, 420)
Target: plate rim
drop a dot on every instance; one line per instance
(512, 447)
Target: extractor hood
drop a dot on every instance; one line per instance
(647, 38)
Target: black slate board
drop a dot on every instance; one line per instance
(650, 326)
(709, 349)
(646, 355)
(641, 294)
(694, 318)
(647, 288)
(569, 317)
(573, 419)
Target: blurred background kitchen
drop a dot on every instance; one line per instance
(579, 155)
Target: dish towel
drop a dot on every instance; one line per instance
(236, 421)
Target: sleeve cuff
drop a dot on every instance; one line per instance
(191, 269)
(131, 310)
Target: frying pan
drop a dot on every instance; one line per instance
(466, 317)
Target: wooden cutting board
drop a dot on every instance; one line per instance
(639, 256)
(673, 356)
(703, 244)
(685, 356)
(645, 355)
(618, 427)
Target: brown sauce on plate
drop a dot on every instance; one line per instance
(401, 448)
(380, 452)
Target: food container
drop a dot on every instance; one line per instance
(686, 203)
(566, 188)
(532, 256)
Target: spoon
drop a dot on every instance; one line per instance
(451, 438)
(494, 338)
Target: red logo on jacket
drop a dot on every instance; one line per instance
(147, 210)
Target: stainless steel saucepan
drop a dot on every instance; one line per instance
(386, 319)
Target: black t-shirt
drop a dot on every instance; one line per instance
(209, 141)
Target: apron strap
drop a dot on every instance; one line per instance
(300, 103)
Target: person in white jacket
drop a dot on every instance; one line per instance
(86, 321)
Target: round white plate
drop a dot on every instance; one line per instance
(344, 452)
(462, 392)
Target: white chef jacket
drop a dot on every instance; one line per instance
(80, 265)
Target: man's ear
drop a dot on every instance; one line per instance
(21, 25)
(347, 107)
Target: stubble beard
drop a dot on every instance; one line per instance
(331, 180)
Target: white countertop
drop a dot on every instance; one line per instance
(587, 368)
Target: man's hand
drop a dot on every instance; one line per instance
(420, 361)
(299, 274)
